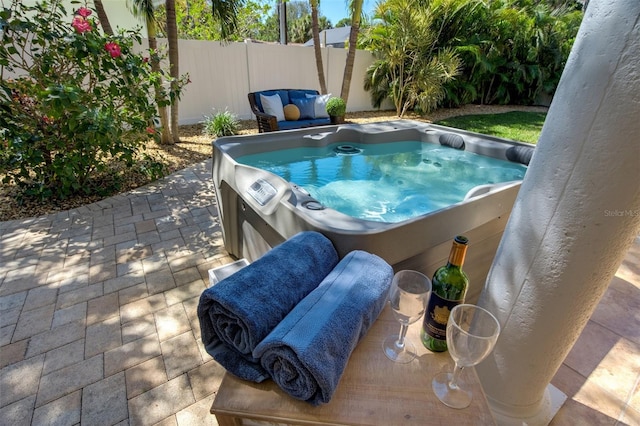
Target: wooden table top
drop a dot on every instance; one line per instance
(372, 391)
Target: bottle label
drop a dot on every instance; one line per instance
(437, 316)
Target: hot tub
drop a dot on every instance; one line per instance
(259, 209)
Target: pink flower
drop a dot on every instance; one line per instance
(81, 25)
(145, 59)
(151, 130)
(113, 49)
(84, 12)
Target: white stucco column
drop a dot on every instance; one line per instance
(576, 214)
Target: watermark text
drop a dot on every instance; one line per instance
(621, 213)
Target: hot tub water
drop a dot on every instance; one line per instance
(385, 182)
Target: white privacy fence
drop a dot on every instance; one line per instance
(223, 74)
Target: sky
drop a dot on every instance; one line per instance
(336, 10)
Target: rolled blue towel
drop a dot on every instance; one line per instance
(308, 351)
(240, 310)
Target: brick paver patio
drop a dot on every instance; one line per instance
(98, 309)
(98, 320)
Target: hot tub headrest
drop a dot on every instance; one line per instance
(452, 140)
(520, 154)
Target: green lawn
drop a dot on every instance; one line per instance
(514, 125)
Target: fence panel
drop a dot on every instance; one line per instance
(222, 75)
(218, 75)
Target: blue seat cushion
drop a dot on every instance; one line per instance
(288, 125)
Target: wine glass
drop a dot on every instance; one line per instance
(408, 297)
(472, 332)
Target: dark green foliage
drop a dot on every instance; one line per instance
(75, 105)
(512, 52)
(515, 54)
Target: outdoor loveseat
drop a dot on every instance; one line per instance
(291, 109)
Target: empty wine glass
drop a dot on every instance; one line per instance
(408, 297)
(472, 332)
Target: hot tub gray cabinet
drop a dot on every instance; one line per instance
(259, 209)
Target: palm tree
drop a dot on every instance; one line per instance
(144, 9)
(410, 68)
(355, 6)
(174, 71)
(315, 30)
(102, 17)
(226, 13)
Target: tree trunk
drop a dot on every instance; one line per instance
(102, 17)
(316, 45)
(174, 71)
(356, 13)
(165, 135)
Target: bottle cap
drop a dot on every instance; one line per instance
(461, 239)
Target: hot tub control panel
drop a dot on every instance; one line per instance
(262, 191)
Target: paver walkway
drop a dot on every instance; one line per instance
(98, 305)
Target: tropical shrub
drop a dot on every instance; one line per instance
(222, 123)
(511, 51)
(75, 104)
(409, 67)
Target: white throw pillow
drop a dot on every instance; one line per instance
(272, 105)
(320, 106)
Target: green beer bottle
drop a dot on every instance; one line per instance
(449, 286)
